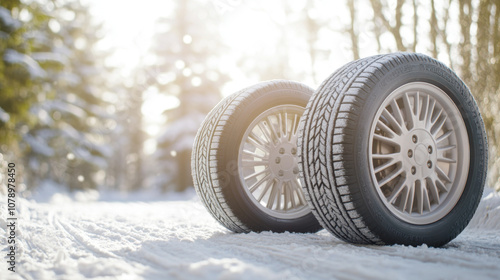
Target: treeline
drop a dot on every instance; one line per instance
(69, 119)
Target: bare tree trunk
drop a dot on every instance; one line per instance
(352, 29)
(482, 49)
(443, 34)
(395, 30)
(312, 37)
(415, 26)
(496, 46)
(465, 47)
(434, 30)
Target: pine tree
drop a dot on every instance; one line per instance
(67, 143)
(20, 74)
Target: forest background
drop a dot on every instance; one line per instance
(80, 111)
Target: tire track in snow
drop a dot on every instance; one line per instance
(79, 237)
(180, 240)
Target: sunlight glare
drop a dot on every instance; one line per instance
(155, 104)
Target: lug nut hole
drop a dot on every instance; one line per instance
(413, 170)
(410, 153)
(429, 149)
(414, 138)
(429, 164)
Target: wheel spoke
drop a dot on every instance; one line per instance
(385, 139)
(433, 190)
(252, 154)
(439, 183)
(419, 195)
(265, 132)
(447, 160)
(390, 156)
(427, 202)
(254, 163)
(385, 128)
(417, 106)
(436, 118)
(295, 126)
(287, 135)
(410, 117)
(444, 136)
(279, 196)
(258, 139)
(275, 192)
(393, 121)
(425, 109)
(260, 182)
(292, 196)
(258, 145)
(268, 186)
(411, 197)
(397, 114)
(428, 121)
(273, 129)
(397, 191)
(390, 177)
(435, 130)
(280, 120)
(441, 173)
(255, 174)
(404, 197)
(447, 148)
(286, 196)
(298, 190)
(386, 165)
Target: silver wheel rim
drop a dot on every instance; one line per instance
(419, 153)
(268, 164)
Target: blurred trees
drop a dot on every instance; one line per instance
(71, 120)
(186, 51)
(19, 73)
(53, 82)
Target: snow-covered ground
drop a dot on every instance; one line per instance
(108, 236)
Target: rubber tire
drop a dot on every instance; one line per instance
(215, 153)
(333, 147)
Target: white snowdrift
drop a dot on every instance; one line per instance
(79, 237)
(487, 215)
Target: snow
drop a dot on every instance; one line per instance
(14, 57)
(7, 18)
(50, 57)
(110, 235)
(4, 116)
(38, 145)
(66, 107)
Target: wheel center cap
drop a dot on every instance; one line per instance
(421, 154)
(283, 161)
(287, 162)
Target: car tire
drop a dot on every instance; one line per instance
(244, 163)
(393, 151)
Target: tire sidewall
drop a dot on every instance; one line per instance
(378, 217)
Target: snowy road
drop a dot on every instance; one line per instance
(180, 240)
